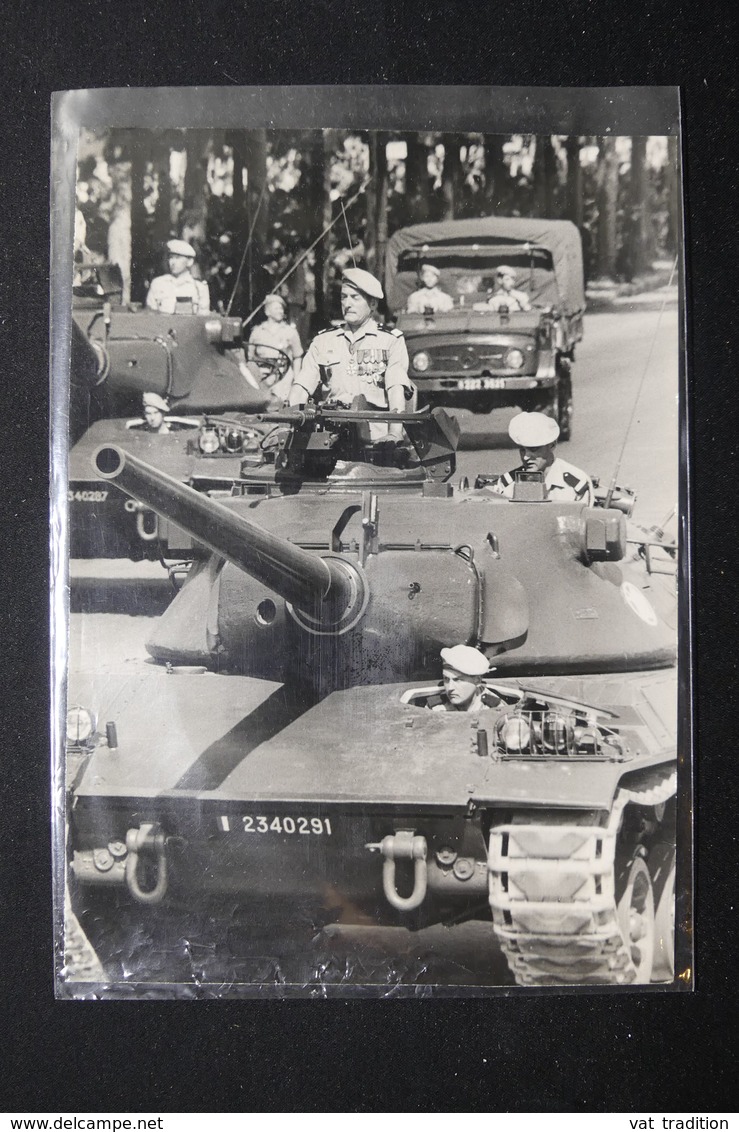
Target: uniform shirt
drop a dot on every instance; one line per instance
(513, 300)
(165, 290)
(367, 362)
(280, 335)
(429, 297)
(564, 483)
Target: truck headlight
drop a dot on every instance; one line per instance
(514, 359)
(421, 361)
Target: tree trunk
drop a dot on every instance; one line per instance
(607, 204)
(318, 188)
(496, 176)
(673, 197)
(376, 245)
(545, 173)
(140, 248)
(119, 229)
(639, 231)
(416, 178)
(255, 158)
(451, 175)
(198, 145)
(574, 208)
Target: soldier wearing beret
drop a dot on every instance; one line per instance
(179, 292)
(536, 435)
(430, 296)
(361, 357)
(155, 408)
(276, 333)
(464, 690)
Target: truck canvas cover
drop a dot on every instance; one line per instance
(487, 236)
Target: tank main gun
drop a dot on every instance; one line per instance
(325, 588)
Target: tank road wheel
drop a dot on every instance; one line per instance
(636, 918)
(662, 861)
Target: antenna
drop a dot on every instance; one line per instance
(308, 250)
(247, 246)
(348, 233)
(612, 485)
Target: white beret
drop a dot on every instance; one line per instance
(181, 247)
(430, 267)
(533, 430)
(275, 299)
(465, 659)
(365, 282)
(154, 401)
(504, 269)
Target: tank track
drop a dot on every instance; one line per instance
(552, 891)
(81, 963)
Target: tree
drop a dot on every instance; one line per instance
(496, 177)
(638, 233)
(451, 176)
(574, 187)
(376, 194)
(544, 175)
(607, 202)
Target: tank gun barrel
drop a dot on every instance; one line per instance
(326, 588)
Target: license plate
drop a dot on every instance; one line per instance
(265, 823)
(471, 383)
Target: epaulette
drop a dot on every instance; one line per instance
(391, 330)
(579, 485)
(326, 330)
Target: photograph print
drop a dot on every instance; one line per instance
(370, 595)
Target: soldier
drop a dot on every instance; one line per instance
(430, 297)
(359, 358)
(536, 435)
(464, 690)
(506, 297)
(155, 408)
(179, 292)
(275, 333)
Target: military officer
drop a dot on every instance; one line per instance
(430, 296)
(536, 435)
(464, 690)
(506, 297)
(179, 292)
(359, 358)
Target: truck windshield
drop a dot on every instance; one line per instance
(469, 273)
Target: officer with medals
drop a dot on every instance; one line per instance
(361, 357)
(429, 297)
(179, 292)
(536, 435)
(464, 690)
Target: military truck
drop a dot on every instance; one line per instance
(477, 358)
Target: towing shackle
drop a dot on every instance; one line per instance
(403, 845)
(148, 841)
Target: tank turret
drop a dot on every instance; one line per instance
(338, 590)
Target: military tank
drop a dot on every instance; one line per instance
(334, 573)
(213, 382)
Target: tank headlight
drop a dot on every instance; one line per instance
(233, 440)
(421, 361)
(80, 726)
(208, 441)
(557, 733)
(513, 733)
(514, 359)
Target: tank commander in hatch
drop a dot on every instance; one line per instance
(536, 435)
(506, 297)
(464, 690)
(155, 408)
(179, 292)
(430, 297)
(362, 357)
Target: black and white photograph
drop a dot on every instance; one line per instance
(371, 664)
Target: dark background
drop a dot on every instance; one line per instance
(549, 1052)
